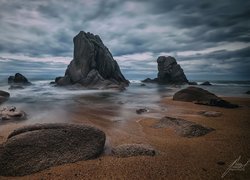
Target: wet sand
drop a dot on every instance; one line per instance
(177, 158)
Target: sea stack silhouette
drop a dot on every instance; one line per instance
(93, 66)
(169, 72)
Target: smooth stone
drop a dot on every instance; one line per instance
(37, 147)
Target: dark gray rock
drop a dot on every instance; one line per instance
(11, 113)
(93, 65)
(183, 127)
(169, 72)
(128, 150)
(192, 83)
(33, 148)
(4, 96)
(142, 110)
(206, 83)
(248, 92)
(18, 79)
(201, 96)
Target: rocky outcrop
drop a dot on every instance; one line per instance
(183, 127)
(93, 65)
(201, 96)
(128, 150)
(18, 79)
(169, 72)
(11, 113)
(34, 148)
(4, 96)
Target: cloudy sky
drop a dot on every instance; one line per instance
(210, 39)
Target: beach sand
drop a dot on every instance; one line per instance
(205, 157)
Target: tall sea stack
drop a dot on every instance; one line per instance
(93, 65)
(169, 72)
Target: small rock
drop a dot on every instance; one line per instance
(128, 150)
(248, 92)
(143, 110)
(210, 113)
(192, 83)
(143, 85)
(206, 83)
(18, 79)
(221, 163)
(11, 113)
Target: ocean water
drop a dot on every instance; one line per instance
(44, 102)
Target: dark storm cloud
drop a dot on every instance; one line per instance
(46, 29)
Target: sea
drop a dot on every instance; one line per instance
(46, 103)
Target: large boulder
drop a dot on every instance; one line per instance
(201, 96)
(93, 65)
(34, 148)
(18, 79)
(4, 96)
(169, 72)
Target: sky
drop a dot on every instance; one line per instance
(209, 39)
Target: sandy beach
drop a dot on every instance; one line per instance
(205, 157)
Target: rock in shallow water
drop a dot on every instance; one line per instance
(93, 65)
(201, 96)
(128, 150)
(183, 127)
(18, 79)
(4, 96)
(169, 72)
(36, 147)
(11, 113)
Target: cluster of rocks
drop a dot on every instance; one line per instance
(18, 81)
(12, 113)
(36, 147)
(201, 96)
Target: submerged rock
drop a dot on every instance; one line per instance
(211, 113)
(201, 96)
(169, 72)
(128, 150)
(206, 83)
(183, 127)
(11, 113)
(4, 96)
(93, 65)
(18, 79)
(142, 110)
(16, 87)
(33, 148)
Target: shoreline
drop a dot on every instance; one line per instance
(177, 157)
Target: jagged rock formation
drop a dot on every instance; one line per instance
(18, 79)
(201, 96)
(169, 72)
(93, 65)
(36, 147)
